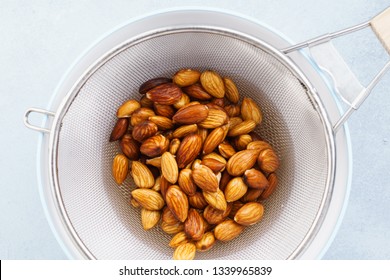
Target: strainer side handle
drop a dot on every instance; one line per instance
(329, 59)
(28, 124)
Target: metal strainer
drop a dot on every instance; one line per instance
(95, 215)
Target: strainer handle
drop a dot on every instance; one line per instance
(330, 60)
(34, 127)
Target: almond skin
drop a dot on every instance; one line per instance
(214, 216)
(178, 239)
(142, 175)
(192, 114)
(140, 115)
(169, 168)
(258, 145)
(242, 128)
(155, 146)
(215, 118)
(228, 230)
(120, 168)
(163, 123)
(214, 138)
(197, 92)
(250, 110)
(198, 201)
(189, 149)
(186, 77)
(231, 92)
(129, 147)
(206, 242)
(233, 110)
(185, 130)
(205, 178)
(144, 130)
(241, 161)
(235, 189)
(251, 195)
(164, 110)
(185, 251)
(177, 202)
(119, 129)
(149, 218)
(226, 150)
(215, 165)
(128, 108)
(242, 141)
(168, 217)
(172, 228)
(193, 226)
(152, 83)
(216, 199)
(148, 199)
(273, 182)
(186, 183)
(212, 82)
(268, 161)
(165, 94)
(255, 179)
(249, 214)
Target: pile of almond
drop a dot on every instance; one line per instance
(199, 170)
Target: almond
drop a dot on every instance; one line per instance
(191, 114)
(144, 130)
(203, 132)
(148, 199)
(149, 218)
(206, 242)
(226, 150)
(186, 77)
(169, 168)
(178, 239)
(129, 147)
(196, 91)
(213, 83)
(234, 121)
(241, 161)
(216, 199)
(215, 118)
(183, 101)
(177, 202)
(164, 185)
(235, 189)
(146, 103)
(236, 206)
(155, 146)
(205, 178)
(185, 251)
(255, 179)
(156, 162)
(250, 110)
(163, 123)
(142, 176)
(165, 94)
(225, 179)
(251, 195)
(140, 115)
(186, 183)
(189, 149)
(231, 92)
(164, 110)
(174, 146)
(215, 165)
(185, 130)
(215, 156)
(172, 228)
(268, 161)
(249, 214)
(258, 145)
(120, 168)
(228, 230)
(148, 85)
(214, 216)
(127, 108)
(242, 128)
(233, 110)
(193, 226)
(220, 102)
(273, 182)
(215, 137)
(198, 201)
(119, 129)
(168, 217)
(157, 184)
(241, 142)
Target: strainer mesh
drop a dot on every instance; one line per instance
(99, 210)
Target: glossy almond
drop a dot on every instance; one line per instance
(164, 110)
(163, 123)
(148, 199)
(168, 217)
(157, 184)
(249, 214)
(235, 189)
(142, 176)
(231, 92)
(177, 202)
(149, 218)
(185, 251)
(144, 130)
(228, 230)
(120, 168)
(236, 205)
(226, 149)
(156, 162)
(127, 108)
(242, 128)
(185, 130)
(165, 94)
(205, 178)
(255, 179)
(174, 146)
(225, 179)
(268, 161)
(234, 121)
(206, 242)
(186, 183)
(214, 138)
(129, 147)
(241, 142)
(189, 149)
(169, 168)
(251, 111)
(197, 92)
(119, 129)
(146, 103)
(197, 201)
(155, 146)
(212, 82)
(183, 101)
(193, 226)
(241, 161)
(258, 145)
(191, 114)
(215, 165)
(215, 118)
(178, 239)
(214, 216)
(152, 83)
(186, 77)
(251, 195)
(172, 228)
(140, 115)
(216, 199)
(273, 182)
(233, 110)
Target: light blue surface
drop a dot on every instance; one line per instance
(41, 39)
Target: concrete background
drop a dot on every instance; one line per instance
(41, 38)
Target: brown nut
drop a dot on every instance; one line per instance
(185, 130)
(233, 110)
(205, 178)
(198, 201)
(165, 94)
(189, 149)
(183, 101)
(215, 165)
(142, 176)
(177, 202)
(242, 128)
(206, 242)
(191, 114)
(186, 77)
(235, 189)
(228, 230)
(144, 130)
(185, 251)
(249, 214)
(241, 142)
(213, 83)
(163, 123)
(164, 110)
(251, 195)
(193, 226)
(119, 129)
(174, 146)
(231, 92)
(149, 218)
(216, 199)
(129, 147)
(169, 168)
(172, 228)
(197, 92)
(226, 150)
(168, 217)
(250, 110)
(268, 161)
(178, 239)
(140, 115)
(148, 199)
(214, 216)
(214, 138)
(127, 108)
(215, 118)
(255, 179)
(273, 182)
(186, 183)
(155, 146)
(120, 168)
(258, 145)
(148, 85)
(241, 161)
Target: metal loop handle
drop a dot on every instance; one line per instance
(34, 127)
(381, 29)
